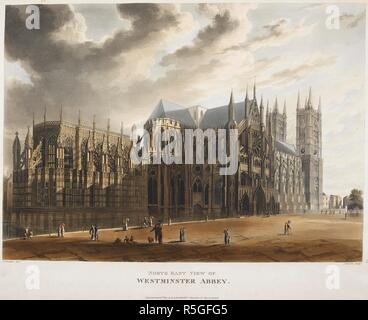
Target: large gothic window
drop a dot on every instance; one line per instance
(68, 154)
(218, 192)
(152, 190)
(181, 191)
(51, 151)
(206, 194)
(172, 192)
(197, 186)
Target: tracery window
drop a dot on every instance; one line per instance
(51, 151)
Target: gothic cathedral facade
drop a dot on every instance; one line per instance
(66, 166)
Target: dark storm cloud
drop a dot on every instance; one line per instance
(42, 52)
(64, 72)
(221, 25)
(146, 19)
(59, 69)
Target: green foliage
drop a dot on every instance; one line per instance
(355, 199)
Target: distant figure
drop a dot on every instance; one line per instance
(131, 240)
(287, 227)
(125, 227)
(160, 235)
(62, 230)
(25, 234)
(145, 222)
(158, 232)
(30, 234)
(206, 217)
(91, 232)
(169, 222)
(151, 221)
(126, 239)
(182, 234)
(226, 237)
(150, 240)
(59, 231)
(96, 233)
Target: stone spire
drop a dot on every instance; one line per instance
(309, 102)
(298, 101)
(94, 129)
(319, 105)
(61, 113)
(231, 112)
(254, 91)
(108, 133)
(16, 152)
(246, 103)
(284, 111)
(28, 141)
(261, 111)
(231, 108)
(44, 116)
(79, 118)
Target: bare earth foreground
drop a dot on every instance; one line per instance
(253, 239)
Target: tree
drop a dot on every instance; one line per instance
(355, 199)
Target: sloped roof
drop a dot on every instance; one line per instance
(285, 147)
(218, 117)
(167, 109)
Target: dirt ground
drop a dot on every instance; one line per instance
(253, 239)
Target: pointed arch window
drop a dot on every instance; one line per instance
(206, 194)
(181, 191)
(68, 154)
(152, 190)
(197, 186)
(51, 151)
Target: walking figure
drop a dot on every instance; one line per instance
(287, 227)
(96, 233)
(93, 232)
(226, 237)
(145, 222)
(62, 230)
(182, 234)
(151, 221)
(27, 233)
(158, 232)
(125, 227)
(160, 236)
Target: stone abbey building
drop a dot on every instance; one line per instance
(66, 167)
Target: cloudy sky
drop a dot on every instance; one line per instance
(117, 61)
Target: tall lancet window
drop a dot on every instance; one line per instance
(68, 154)
(51, 152)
